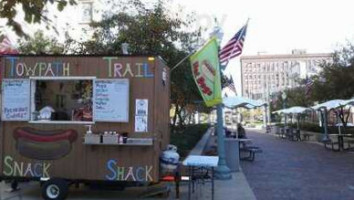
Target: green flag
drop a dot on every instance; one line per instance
(205, 68)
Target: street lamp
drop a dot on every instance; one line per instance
(324, 117)
(125, 48)
(222, 172)
(283, 96)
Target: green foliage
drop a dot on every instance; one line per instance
(188, 138)
(153, 31)
(147, 31)
(311, 127)
(337, 79)
(295, 97)
(33, 11)
(39, 44)
(334, 82)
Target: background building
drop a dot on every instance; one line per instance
(262, 75)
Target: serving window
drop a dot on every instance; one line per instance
(62, 100)
(66, 100)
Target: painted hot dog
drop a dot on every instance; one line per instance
(44, 144)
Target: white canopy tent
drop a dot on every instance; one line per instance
(296, 110)
(293, 110)
(332, 104)
(279, 111)
(329, 105)
(238, 101)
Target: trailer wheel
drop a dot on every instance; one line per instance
(14, 185)
(55, 189)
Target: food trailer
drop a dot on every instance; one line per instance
(72, 119)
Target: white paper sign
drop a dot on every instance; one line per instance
(15, 99)
(140, 123)
(141, 115)
(141, 107)
(111, 100)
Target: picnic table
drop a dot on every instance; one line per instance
(340, 141)
(197, 162)
(252, 150)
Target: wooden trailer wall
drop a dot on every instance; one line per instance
(93, 162)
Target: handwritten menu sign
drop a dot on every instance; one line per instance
(112, 100)
(16, 100)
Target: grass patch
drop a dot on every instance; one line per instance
(186, 139)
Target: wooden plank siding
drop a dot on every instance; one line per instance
(89, 162)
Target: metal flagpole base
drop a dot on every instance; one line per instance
(222, 172)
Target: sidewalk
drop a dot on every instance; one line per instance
(288, 170)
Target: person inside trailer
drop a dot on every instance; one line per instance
(70, 100)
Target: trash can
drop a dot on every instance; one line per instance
(232, 155)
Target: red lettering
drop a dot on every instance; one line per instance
(195, 67)
(203, 87)
(199, 80)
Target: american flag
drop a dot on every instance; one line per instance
(274, 101)
(230, 84)
(308, 86)
(6, 47)
(234, 47)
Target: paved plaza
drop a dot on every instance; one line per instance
(298, 170)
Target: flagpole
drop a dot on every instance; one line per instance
(180, 62)
(222, 171)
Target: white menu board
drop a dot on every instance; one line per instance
(15, 100)
(111, 100)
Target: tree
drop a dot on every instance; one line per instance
(39, 44)
(154, 31)
(336, 79)
(295, 97)
(33, 10)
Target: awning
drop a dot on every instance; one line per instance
(238, 101)
(332, 104)
(295, 110)
(292, 110)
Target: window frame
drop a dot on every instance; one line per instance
(33, 80)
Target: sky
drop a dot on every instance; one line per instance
(278, 26)
(275, 26)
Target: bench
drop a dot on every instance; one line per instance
(280, 132)
(269, 129)
(277, 131)
(350, 143)
(294, 135)
(331, 143)
(306, 136)
(252, 150)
